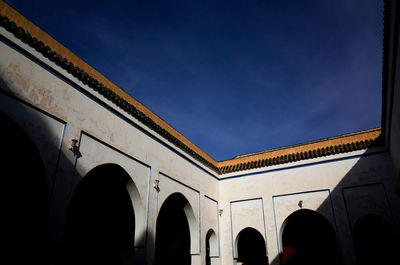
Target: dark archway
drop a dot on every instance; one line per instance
(309, 238)
(24, 196)
(251, 247)
(211, 246)
(101, 223)
(173, 233)
(208, 257)
(375, 241)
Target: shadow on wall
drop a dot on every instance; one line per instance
(24, 196)
(173, 233)
(307, 237)
(212, 250)
(95, 211)
(379, 240)
(101, 216)
(100, 226)
(251, 247)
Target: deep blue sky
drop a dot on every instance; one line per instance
(234, 77)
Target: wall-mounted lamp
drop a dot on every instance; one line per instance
(156, 185)
(300, 204)
(220, 212)
(74, 144)
(74, 148)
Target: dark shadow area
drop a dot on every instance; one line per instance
(100, 225)
(24, 196)
(212, 249)
(317, 239)
(251, 247)
(375, 241)
(172, 233)
(208, 258)
(309, 238)
(39, 181)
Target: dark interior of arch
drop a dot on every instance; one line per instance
(251, 247)
(208, 236)
(376, 241)
(101, 222)
(172, 233)
(24, 200)
(309, 238)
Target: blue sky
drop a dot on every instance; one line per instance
(234, 77)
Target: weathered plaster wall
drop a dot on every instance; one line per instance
(53, 108)
(94, 153)
(69, 110)
(367, 199)
(32, 122)
(246, 213)
(210, 224)
(319, 184)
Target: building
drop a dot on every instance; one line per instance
(95, 177)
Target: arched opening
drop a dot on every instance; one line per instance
(211, 246)
(173, 239)
(24, 204)
(375, 241)
(101, 222)
(308, 238)
(251, 247)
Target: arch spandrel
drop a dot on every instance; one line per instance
(250, 247)
(247, 213)
(175, 234)
(318, 201)
(101, 224)
(210, 214)
(137, 203)
(167, 187)
(192, 219)
(95, 153)
(237, 238)
(212, 238)
(306, 236)
(44, 130)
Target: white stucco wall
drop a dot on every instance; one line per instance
(318, 183)
(53, 108)
(70, 110)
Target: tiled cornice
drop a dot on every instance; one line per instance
(87, 75)
(325, 147)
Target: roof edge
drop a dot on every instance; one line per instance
(320, 148)
(26, 31)
(42, 42)
(306, 143)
